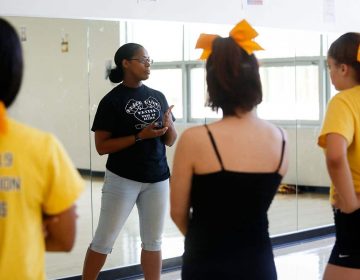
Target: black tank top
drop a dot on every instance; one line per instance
(229, 213)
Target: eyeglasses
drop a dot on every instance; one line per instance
(143, 60)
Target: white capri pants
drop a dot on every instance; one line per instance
(119, 196)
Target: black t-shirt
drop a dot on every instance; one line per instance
(125, 111)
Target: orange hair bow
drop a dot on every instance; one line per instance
(242, 34)
(3, 121)
(358, 54)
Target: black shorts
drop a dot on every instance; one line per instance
(344, 260)
(346, 251)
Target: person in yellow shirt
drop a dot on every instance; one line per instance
(38, 182)
(340, 138)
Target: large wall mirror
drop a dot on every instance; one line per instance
(65, 78)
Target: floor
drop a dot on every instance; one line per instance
(288, 213)
(305, 261)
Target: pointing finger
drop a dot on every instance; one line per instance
(169, 109)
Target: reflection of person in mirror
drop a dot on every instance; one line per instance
(226, 174)
(38, 183)
(133, 123)
(340, 138)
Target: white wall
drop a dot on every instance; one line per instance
(56, 86)
(307, 163)
(322, 15)
(67, 80)
(61, 91)
(54, 93)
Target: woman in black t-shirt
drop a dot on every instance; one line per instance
(132, 125)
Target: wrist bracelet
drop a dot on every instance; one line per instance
(137, 138)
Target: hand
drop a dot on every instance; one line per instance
(167, 119)
(152, 132)
(340, 204)
(336, 201)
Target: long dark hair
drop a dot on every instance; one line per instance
(126, 51)
(11, 63)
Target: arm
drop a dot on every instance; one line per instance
(180, 184)
(285, 162)
(170, 136)
(60, 230)
(105, 144)
(340, 174)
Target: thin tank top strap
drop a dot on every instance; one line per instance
(214, 146)
(282, 149)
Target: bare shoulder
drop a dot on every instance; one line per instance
(193, 134)
(275, 131)
(276, 135)
(191, 141)
(188, 145)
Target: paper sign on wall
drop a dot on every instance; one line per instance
(329, 11)
(255, 2)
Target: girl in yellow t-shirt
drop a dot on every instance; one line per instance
(340, 138)
(38, 183)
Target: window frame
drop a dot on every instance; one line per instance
(187, 65)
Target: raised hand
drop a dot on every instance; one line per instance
(151, 131)
(167, 119)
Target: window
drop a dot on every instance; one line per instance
(328, 39)
(280, 43)
(169, 82)
(292, 69)
(290, 93)
(198, 96)
(192, 32)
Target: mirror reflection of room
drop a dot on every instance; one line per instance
(66, 83)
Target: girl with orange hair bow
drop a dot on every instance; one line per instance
(225, 174)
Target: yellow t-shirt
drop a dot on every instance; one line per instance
(343, 117)
(36, 177)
